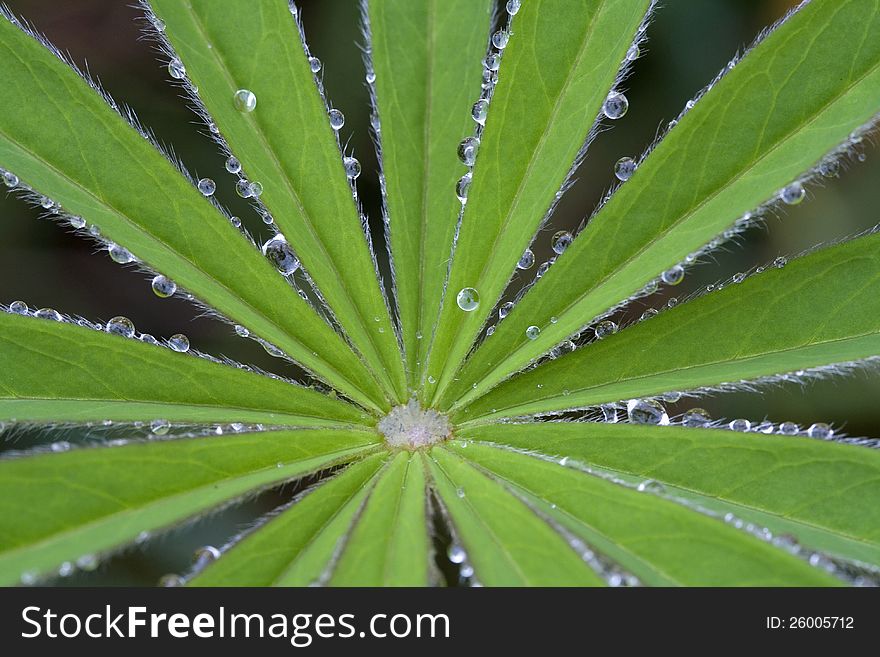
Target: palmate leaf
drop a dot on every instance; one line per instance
(421, 51)
(87, 501)
(758, 328)
(557, 70)
(57, 372)
(90, 160)
(288, 147)
(530, 503)
(791, 100)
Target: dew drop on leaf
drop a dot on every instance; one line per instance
(463, 186)
(526, 260)
(244, 100)
(205, 555)
(75, 221)
(10, 179)
(170, 581)
(160, 427)
(119, 254)
(789, 429)
(176, 69)
(624, 168)
(467, 150)
(120, 326)
(505, 309)
(468, 299)
(513, 6)
(314, 64)
(18, 307)
(646, 411)
(480, 111)
(533, 332)
(696, 417)
(352, 167)
(279, 253)
(232, 164)
(163, 287)
(243, 188)
(500, 39)
(179, 342)
(605, 328)
(820, 430)
(740, 425)
(561, 241)
(492, 62)
(241, 331)
(337, 119)
(207, 186)
(633, 53)
(673, 276)
(793, 194)
(456, 554)
(615, 105)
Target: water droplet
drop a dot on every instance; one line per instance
(648, 314)
(467, 150)
(207, 186)
(468, 299)
(492, 62)
(789, 429)
(279, 253)
(780, 262)
(561, 241)
(314, 64)
(526, 260)
(232, 164)
(75, 221)
(149, 339)
(432, 380)
(160, 427)
(505, 309)
(48, 313)
(337, 119)
(793, 193)
(605, 328)
(646, 411)
(460, 493)
(244, 100)
(176, 69)
(120, 254)
(650, 486)
(243, 188)
(480, 111)
(615, 105)
(820, 430)
(371, 76)
(624, 168)
(513, 6)
(764, 427)
(352, 167)
(696, 417)
(256, 189)
(609, 413)
(179, 342)
(673, 276)
(171, 580)
(633, 53)
(164, 287)
(740, 425)
(46, 203)
(241, 331)
(463, 186)
(120, 326)
(533, 332)
(500, 39)
(205, 555)
(18, 307)
(272, 350)
(456, 554)
(830, 168)
(10, 179)
(235, 221)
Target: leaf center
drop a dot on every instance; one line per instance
(410, 427)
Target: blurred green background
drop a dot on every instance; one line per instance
(690, 41)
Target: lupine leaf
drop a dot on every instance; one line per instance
(792, 99)
(662, 540)
(60, 137)
(287, 145)
(506, 543)
(426, 58)
(57, 372)
(389, 546)
(301, 540)
(823, 493)
(756, 328)
(557, 69)
(87, 500)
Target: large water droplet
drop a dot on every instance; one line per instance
(646, 411)
(352, 167)
(468, 299)
(533, 332)
(480, 111)
(673, 276)
(207, 186)
(615, 105)
(279, 253)
(120, 254)
(793, 193)
(164, 287)
(500, 39)
(456, 553)
(337, 119)
(48, 313)
(492, 62)
(513, 6)
(605, 328)
(526, 260)
(120, 326)
(467, 150)
(18, 307)
(179, 342)
(243, 188)
(561, 241)
(244, 100)
(624, 168)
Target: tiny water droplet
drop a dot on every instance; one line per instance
(696, 417)
(624, 168)
(648, 314)
(75, 221)
(160, 427)
(788, 429)
(650, 486)
(371, 76)
(10, 179)
(432, 380)
(780, 262)
(500, 39)
(244, 100)
(561, 241)
(456, 553)
(793, 193)
(460, 493)
(480, 111)
(256, 189)
(646, 411)
(820, 430)
(615, 105)
(119, 254)
(314, 64)
(243, 188)
(633, 53)
(463, 186)
(467, 150)
(279, 253)
(829, 168)
(337, 119)
(513, 6)
(605, 328)
(235, 221)
(164, 287)
(120, 326)
(176, 69)
(533, 332)
(149, 339)
(48, 313)
(272, 350)
(526, 260)
(179, 342)
(492, 62)
(207, 186)
(241, 331)
(468, 299)
(352, 167)
(504, 309)
(673, 276)
(232, 164)
(740, 425)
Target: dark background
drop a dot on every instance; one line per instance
(690, 41)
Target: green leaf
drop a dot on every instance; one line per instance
(57, 372)
(661, 541)
(793, 99)
(506, 543)
(299, 543)
(61, 138)
(757, 328)
(426, 57)
(823, 493)
(389, 545)
(287, 145)
(87, 501)
(561, 61)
